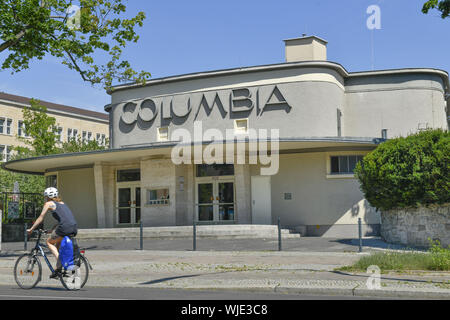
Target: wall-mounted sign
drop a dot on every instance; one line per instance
(233, 103)
(13, 210)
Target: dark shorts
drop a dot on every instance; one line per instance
(58, 233)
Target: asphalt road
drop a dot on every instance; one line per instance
(42, 293)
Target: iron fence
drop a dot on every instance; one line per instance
(20, 207)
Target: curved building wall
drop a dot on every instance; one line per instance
(300, 102)
(402, 104)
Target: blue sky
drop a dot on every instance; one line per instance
(198, 35)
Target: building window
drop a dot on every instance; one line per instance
(163, 134)
(215, 170)
(241, 126)
(5, 126)
(84, 135)
(5, 153)
(51, 181)
(2, 153)
(60, 134)
(89, 136)
(158, 197)
(128, 175)
(344, 164)
(22, 132)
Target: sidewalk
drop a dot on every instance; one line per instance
(284, 272)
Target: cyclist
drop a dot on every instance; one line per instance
(67, 226)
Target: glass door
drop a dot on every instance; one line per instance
(215, 200)
(205, 192)
(226, 201)
(128, 205)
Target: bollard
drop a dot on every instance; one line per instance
(142, 235)
(194, 237)
(279, 234)
(360, 234)
(25, 238)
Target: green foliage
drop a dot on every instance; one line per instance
(41, 130)
(77, 145)
(436, 259)
(89, 40)
(27, 183)
(407, 172)
(440, 256)
(442, 5)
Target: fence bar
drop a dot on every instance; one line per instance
(25, 237)
(142, 235)
(360, 234)
(279, 234)
(194, 236)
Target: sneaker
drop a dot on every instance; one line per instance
(56, 274)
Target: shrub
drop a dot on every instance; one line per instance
(407, 171)
(440, 256)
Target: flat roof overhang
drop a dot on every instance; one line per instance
(68, 161)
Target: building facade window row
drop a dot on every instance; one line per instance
(6, 127)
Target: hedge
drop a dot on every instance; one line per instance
(407, 171)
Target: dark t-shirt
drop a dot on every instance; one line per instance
(67, 226)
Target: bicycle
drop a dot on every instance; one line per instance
(28, 269)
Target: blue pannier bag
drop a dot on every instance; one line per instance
(66, 253)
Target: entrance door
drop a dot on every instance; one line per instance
(128, 204)
(261, 200)
(215, 199)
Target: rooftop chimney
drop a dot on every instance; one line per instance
(310, 48)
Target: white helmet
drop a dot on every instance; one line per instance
(51, 192)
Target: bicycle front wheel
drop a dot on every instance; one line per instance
(27, 271)
(76, 279)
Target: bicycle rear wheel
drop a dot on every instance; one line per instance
(27, 271)
(76, 279)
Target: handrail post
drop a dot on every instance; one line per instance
(194, 236)
(25, 237)
(279, 234)
(142, 235)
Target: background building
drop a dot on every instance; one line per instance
(72, 122)
(328, 119)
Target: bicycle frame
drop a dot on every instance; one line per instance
(39, 248)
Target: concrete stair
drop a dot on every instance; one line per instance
(203, 231)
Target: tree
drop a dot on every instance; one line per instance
(77, 36)
(407, 172)
(442, 5)
(41, 131)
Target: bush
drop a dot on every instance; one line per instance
(407, 172)
(440, 256)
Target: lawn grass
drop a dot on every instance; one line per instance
(436, 259)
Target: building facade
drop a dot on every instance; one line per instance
(72, 123)
(247, 145)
